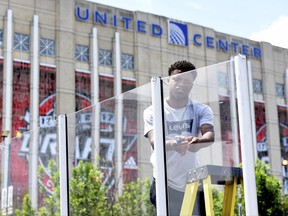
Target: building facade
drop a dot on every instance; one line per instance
(66, 44)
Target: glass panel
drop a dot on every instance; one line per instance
(193, 110)
(127, 61)
(25, 177)
(48, 167)
(280, 90)
(128, 85)
(82, 53)
(261, 131)
(21, 42)
(257, 86)
(109, 152)
(222, 80)
(105, 57)
(283, 130)
(47, 47)
(106, 87)
(110, 136)
(47, 93)
(82, 90)
(20, 152)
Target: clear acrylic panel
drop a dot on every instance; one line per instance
(15, 172)
(110, 135)
(48, 168)
(29, 164)
(108, 139)
(191, 108)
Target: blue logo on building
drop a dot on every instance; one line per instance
(177, 33)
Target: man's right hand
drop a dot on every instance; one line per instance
(180, 145)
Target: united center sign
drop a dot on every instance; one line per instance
(177, 32)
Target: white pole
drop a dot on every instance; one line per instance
(118, 82)
(95, 97)
(33, 152)
(8, 101)
(63, 165)
(95, 74)
(119, 113)
(234, 122)
(158, 119)
(286, 86)
(252, 108)
(246, 135)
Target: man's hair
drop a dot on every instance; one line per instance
(184, 66)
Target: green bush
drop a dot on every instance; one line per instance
(87, 193)
(89, 197)
(270, 199)
(27, 208)
(135, 200)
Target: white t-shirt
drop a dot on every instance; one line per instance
(185, 121)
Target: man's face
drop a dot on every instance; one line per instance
(180, 83)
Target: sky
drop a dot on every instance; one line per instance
(258, 20)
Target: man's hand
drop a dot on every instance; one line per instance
(180, 145)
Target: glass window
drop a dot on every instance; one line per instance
(21, 42)
(1, 38)
(280, 90)
(127, 61)
(105, 57)
(81, 53)
(223, 80)
(47, 47)
(257, 86)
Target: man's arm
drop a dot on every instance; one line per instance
(150, 136)
(171, 144)
(196, 143)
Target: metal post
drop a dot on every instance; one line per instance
(233, 111)
(63, 164)
(252, 113)
(246, 135)
(159, 140)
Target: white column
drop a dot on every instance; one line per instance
(246, 135)
(95, 73)
(8, 85)
(286, 86)
(158, 119)
(95, 98)
(118, 77)
(63, 165)
(119, 114)
(33, 150)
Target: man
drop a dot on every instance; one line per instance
(185, 119)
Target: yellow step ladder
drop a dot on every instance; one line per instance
(211, 174)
